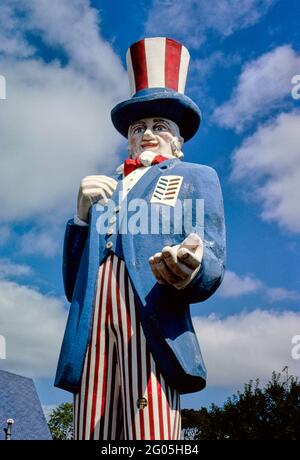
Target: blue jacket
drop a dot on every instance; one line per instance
(163, 310)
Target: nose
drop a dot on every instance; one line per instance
(148, 134)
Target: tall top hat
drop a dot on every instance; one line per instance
(157, 69)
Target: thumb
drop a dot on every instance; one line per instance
(191, 242)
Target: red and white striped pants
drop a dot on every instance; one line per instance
(119, 370)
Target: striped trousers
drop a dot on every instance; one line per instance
(123, 395)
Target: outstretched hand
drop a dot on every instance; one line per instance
(178, 265)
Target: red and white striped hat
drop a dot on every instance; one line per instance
(157, 63)
(157, 69)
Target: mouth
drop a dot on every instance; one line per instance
(148, 145)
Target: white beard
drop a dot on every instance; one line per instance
(146, 157)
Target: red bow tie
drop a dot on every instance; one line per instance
(130, 165)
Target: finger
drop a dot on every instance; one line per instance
(176, 267)
(108, 190)
(110, 182)
(98, 191)
(99, 177)
(93, 197)
(183, 283)
(190, 251)
(94, 193)
(156, 267)
(155, 271)
(166, 273)
(196, 252)
(188, 258)
(157, 257)
(91, 183)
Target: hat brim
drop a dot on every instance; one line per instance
(160, 103)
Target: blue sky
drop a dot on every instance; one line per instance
(64, 65)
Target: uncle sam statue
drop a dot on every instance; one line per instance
(130, 348)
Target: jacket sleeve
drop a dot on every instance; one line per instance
(212, 267)
(74, 242)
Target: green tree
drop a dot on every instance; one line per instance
(272, 412)
(61, 422)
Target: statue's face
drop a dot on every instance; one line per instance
(152, 134)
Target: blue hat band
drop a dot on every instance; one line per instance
(159, 102)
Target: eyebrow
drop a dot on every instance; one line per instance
(142, 123)
(160, 120)
(137, 123)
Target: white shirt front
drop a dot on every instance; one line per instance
(131, 179)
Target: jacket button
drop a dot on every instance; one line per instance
(110, 231)
(109, 245)
(117, 209)
(112, 220)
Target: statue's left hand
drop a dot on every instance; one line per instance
(178, 265)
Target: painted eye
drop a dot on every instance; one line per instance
(159, 128)
(138, 130)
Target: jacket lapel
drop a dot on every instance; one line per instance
(142, 185)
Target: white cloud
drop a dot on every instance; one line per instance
(247, 346)
(55, 123)
(10, 269)
(40, 242)
(192, 20)
(269, 163)
(32, 325)
(74, 27)
(262, 86)
(203, 67)
(234, 286)
(277, 294)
